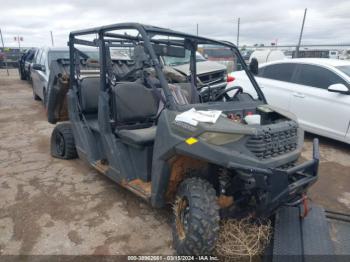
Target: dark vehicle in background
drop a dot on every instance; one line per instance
(9, 56)
(311, 54)
(246, 55)
(40, 70)
(25, 64)
(2, 58)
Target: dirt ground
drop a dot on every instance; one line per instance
(52, 206)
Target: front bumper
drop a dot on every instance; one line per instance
(276, 187)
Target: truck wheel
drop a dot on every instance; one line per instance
(23, 77)
(45, 98)
(196, 223)
(62, 142)
(35, 96)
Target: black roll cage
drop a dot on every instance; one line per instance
(145, 35)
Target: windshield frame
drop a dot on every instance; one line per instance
(145, 35)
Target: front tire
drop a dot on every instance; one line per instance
(196, 223)
(62, 142)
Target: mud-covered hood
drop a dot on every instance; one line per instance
(225, 125)
(203, 67)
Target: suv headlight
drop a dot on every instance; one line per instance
(220, 138)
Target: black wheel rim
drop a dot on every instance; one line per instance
(60, 148)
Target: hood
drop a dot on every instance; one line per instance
(203, 67)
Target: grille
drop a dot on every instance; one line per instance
(272, 144)
(212, 78)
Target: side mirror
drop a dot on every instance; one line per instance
(37, 67)
(339, 88)
(254, 66)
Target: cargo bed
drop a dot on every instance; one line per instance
(320, 236)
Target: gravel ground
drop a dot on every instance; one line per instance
(52, 206)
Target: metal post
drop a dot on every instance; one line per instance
(19, 49)
(301, 35)
(197, 29)
(52, 42)
(238, 24)
(3, 47)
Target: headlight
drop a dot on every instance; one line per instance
(220, 138)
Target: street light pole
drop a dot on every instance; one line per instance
(19, 43)
(238, 24)
(19, 47)
(52, 42)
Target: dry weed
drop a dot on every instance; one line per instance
(242, 240)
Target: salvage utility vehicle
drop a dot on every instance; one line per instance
(171, 140)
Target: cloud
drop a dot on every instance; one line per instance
(261, 21)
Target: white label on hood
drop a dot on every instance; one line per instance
(193, 116)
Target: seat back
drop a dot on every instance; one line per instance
(134, 103)
(89, 89)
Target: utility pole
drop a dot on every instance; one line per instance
(301, 35)
(238, 24)
(197, 29)
(19, 39)
(3, 49)
(235, 64)
(52, 42)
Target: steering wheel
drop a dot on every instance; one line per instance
(227, 97)
(130, 73)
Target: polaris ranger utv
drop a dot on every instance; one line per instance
(128, 120)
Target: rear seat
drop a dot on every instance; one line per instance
(134, 104)
(89, 89)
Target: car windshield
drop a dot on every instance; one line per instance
(54, 55)
(344, 69)
(174, 61)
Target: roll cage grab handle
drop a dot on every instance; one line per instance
(190, 43)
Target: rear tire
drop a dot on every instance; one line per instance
(196, 223)
(45, 98)
(23, 77)
(35, 96)
(62, 142)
